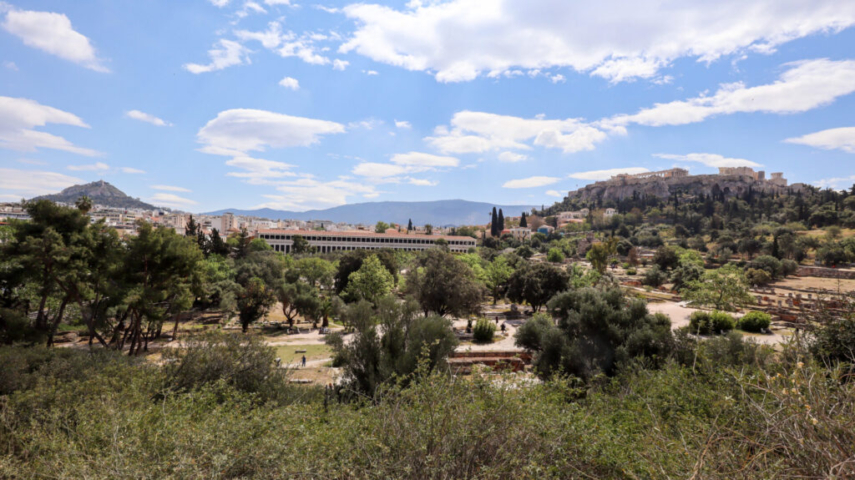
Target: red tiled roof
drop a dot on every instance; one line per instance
(363, 234)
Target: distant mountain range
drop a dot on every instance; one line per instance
(438, 213)
(101, 193)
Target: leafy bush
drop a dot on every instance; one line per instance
(789, 267)
(555, 255)
(708, 323)
(722, 322)
(756, 276)
(770, 264)
(835, 341)
(753, 421)
(483, 331)
(655, 277)
(755, 322)
(242, 362)
(597, 332)
(631, 271)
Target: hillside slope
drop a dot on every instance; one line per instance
(101, 193)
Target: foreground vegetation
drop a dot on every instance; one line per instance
(733, 411)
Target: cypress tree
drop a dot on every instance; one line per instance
(523, 222)
(501, 221)
(410, 225)
(494, 224)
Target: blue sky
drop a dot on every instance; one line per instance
(209, 104)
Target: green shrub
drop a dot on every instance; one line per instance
(708, 323)
(770, 264)
(483, 331)
(655, 277)
(632, 271)
(756, 276)
(722, 322)
(789, 267)
(755, 322)
(835, 341)
(242, 362)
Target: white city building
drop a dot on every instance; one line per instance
(282, 241)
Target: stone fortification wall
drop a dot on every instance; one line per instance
(663, 187)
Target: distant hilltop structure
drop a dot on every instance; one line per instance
(776, 178)
(729, 180)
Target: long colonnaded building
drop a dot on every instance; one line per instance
(324, 242)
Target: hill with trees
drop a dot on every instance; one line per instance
(101, 193)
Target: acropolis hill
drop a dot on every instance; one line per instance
(730, 180)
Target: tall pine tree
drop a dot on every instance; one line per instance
(410, 226)
(501, 221)
(494, 224)
(523, 221)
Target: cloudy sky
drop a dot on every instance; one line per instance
(208, 104)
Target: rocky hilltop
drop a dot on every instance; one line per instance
(101, 193)
(730, 185)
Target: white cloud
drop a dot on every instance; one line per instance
(277, 2)
(709, 159)
(422, 183)
(379, 171)
(132, 171)
(219, 3)
(606, 174)
(148, 118)
(226, 53)
(270, 38)
(531, 182)
(458, 40)
(10, 65)
(289, 44)
(53, 33)
(30, 161)
(841, 183)
(95, 167)
(404, 164)
(170, 188)
(803, 86)
(478, 132)
(19, 117)
(370, 72)
(171, 200)
(832, 139)
(512, 157)
(250, 7)
(340, 64)
(557, 78)
(236, 132)
(418, 159)
(289, 82)
(554, 193)
(258, 170)
(30, 183)
(403, 124)
(308, 193)
(368, 124)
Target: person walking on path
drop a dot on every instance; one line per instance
(304, 361)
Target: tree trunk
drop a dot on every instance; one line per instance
(56, 321)
(175, 328)
(41, 317)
